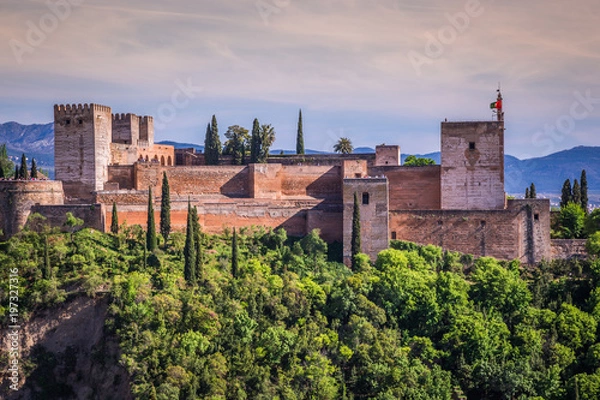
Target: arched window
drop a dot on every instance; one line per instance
(146, 158)
(162, 160)
(169, 161)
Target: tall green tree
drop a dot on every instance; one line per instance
(300, 136)
(255, 141)
(151, 225)
(527, 193)
(189, 250)
(34, 170)
(6, 165)
(234, 255)
(23, 174)
(567, 195)
(114, 223)
(355, 240)
(198, 271)
(212, 143)
(572, 221)
(532, 191)
(576, 193)
(343, 146)
(584, 191)
(16, 171)
(267, 138)
(236, 144)
(165, 209)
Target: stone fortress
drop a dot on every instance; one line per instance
(460, 205)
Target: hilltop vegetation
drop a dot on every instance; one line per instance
(289, 323)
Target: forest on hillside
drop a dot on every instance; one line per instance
(266, 316)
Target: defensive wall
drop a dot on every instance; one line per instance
(18, 197)
(521, 231)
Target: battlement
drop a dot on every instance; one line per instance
(146, 119)
(79, 109)
(123, 117)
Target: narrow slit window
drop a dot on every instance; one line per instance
(471, 145)
(68, 122)
(393, 235)
(536, 217)
(365, 198)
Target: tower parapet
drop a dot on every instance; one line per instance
(125, 128)
(147, 130)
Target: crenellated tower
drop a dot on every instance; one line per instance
(82, 137)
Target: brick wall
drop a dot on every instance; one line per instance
(121, 175)
(568, 248)
(322, 182)
(17, 198)
(412, 188)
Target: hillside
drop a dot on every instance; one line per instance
(548, 173)
(279, 318)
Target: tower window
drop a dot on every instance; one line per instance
(482, 223)
(393, 235)
(536, 217)
(471, 145)
(80, 122)
(68, 122)
(365, 198)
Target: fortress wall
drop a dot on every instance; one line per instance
(265, 181)
(412, 188)
(532, 238)
(215, 216)
(122, 175)
(17, 198)
(56, 215)
(322, 182)
(158, 153)
(229, 181)
(123, 154)
(331, 160)
(125, 128)
(481, 233)
(568, 248)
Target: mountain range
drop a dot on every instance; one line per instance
(548, 172)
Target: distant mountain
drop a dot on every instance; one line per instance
(33, 140)
(548, 172)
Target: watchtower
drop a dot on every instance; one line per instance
(82, 137)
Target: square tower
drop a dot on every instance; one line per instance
(146, 132)
(82, 137)
(125, 128)
(373, 202)
(472, 176)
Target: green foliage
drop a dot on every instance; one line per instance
(572, 221)
(114, 224)
(165, 209)
(414, 161)
(6, 166)
(593, 244)
(23, 173)
(34, 170)
(567, 194)
(255, 141)
(584, 191)
(343, 146)
(236, 144)
(355, 240)
(300, 136)
(212, 143)
(576, 193)
(420, 323)
(234, 255)
(592, 222)
(150, 224)
(267, 138)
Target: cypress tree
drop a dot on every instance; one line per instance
(234, 255)
(576, 193)
(151, 230)
(255, 144)
(189, 251)
(165, 209)
(584, 191)
(5, 164)
(300, 136)
(2, 172)
(197, 245)
(16, 171)
(355, 241)
(567, 195)
(23, 174)
(47, 270)
(34, 171)
(212, 145)
(532, 192)
(114, 224)
(526, 193)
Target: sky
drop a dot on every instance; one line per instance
(374, 71)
